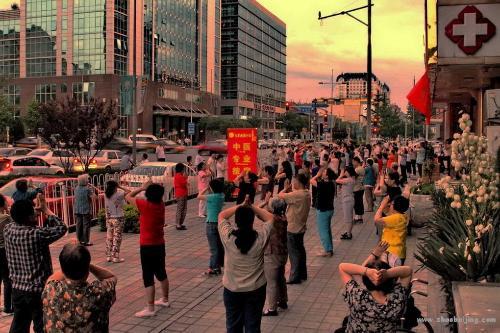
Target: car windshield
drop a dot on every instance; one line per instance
(99, 154)
(6, 151)
(149, 170)
(39, 152)
(62, 153)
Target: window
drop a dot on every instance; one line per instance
(12, 93)
(84, 91)
(64, 88)
(45, 93)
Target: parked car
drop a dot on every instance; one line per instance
(59, 194)
(263, 144)
(28, 165)
(161, 173)
(284, 142)
(30, 142)
(107, 160)
(14, 151)
(62, 158)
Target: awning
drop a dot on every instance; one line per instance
(179, 111)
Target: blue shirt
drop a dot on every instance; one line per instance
(29, 195)
(215, 201)
(369, 176)
(82, 200)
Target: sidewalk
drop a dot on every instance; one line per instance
(196, 300)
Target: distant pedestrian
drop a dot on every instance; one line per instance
(126, 162)
(359, 190)
(114, 200)
(29, 260)
(324, 181)
(82, 206)
(267, 182)
(369, 182)
(413, 161)
(275, 257)
(275, 160)
(4, 267)
(160, 153)
(214, 198)
(420, 158)
(220, 166)
(198, 158)
(347, 179)
(299, 203)
(145, 159)
(204, 177)
(244, 280)
(152, 244)
(181, 195)
(73, 304)
(189, 161)
(284, 176)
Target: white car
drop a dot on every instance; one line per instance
(107, 160)
(161, 173)
(61, 158)
(284, 142)
(14, 151)
(28, 165)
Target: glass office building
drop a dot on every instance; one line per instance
(87, 48)
(253, 63)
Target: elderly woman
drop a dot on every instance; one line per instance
(244, 280)
(83, 204)
(378, 306)
(275, 257)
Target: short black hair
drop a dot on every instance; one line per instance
(179, 168)
(145, 155)
(75, 261)
(357, 159)
(3, 201)
(189, 158)
(200, 166)
(154, 193)
(331, 174)
(369, 161)
(386, 286)
(22, 185)
(21, 211)
(302, 178)
(350, 170)
(400, 204)
(252, 177)
(217, 185)
(307, 164)
(270, 170)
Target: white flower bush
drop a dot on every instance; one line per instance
(464, 232)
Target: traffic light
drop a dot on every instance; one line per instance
(287, 106)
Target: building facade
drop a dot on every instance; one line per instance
(463, 61)
(253, 63)
(353, 86)
(168, 49)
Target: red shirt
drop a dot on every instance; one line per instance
(180, 185)
(151, 221)
(392, 159)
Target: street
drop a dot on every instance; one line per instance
(316, 305)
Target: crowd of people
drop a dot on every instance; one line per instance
(251, 258)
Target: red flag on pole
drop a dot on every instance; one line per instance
(420, 97)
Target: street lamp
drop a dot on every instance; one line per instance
(332, 83)
(368, 60)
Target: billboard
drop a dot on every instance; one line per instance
(242, 151)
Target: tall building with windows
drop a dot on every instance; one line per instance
(353, 86)
(51, 49)
(253, 63)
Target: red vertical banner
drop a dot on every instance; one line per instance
(242, 151)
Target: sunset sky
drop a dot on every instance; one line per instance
(340, 43)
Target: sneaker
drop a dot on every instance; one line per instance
(325, 254)
(202, 216)
(283, 305)
(270, 313)
(145, 313)
(346, 236)
(211, 272)
(161, 302)
(118, 260)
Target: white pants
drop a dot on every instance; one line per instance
(202, 207)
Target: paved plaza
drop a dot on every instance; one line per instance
(316, 305)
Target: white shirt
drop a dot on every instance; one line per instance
(198, 160)
(160, 152)
(221, 169)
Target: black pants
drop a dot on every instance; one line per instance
(404, 177)
(7, 286)
(414, 167)
(419, 167)
(244, 310)
(359, 208)
(27, 308)
(83, 228)
(215, 246)
(297, 256)
(153, 264)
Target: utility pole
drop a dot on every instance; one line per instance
(134, 85)
(368, 60)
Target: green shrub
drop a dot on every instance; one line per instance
(424, 189)
(131, 224)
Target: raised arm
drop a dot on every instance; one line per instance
(227, 213)
(348, 271)
(379, 218)
(404, 273)
(130, 197)
(262, 214)
(376, 253)
(202, 194)
(102, 273)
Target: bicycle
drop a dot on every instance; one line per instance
(412, 316)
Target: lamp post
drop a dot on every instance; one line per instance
(332, 83)
(368, 56)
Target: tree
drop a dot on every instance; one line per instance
(84, 130)
(391, 124)
(7, 119)
(219, 125)
(31, 119)
(293, 122)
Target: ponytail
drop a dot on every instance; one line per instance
(245, 235)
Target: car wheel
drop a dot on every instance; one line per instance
(59, 173)
(107, 169)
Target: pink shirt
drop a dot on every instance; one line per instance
(203, 180)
